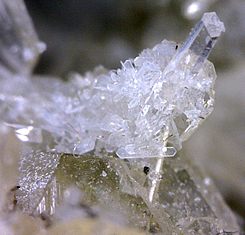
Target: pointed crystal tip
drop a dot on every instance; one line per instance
(213, 25)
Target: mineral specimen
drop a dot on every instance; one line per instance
(108, 133)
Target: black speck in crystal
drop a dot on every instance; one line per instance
(15, 188)
(146, 169)
(153, 229)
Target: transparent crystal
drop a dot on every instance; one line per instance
(19, 44)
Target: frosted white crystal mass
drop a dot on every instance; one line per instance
(157, 98)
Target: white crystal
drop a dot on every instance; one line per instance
(160, 97)
(213, 24)
(28, 133)
(104, 174)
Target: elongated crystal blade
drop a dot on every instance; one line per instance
(168, 152)
(200, 42)
(202, 39)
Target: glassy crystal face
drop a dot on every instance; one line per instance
(184, 203)
(36, 172)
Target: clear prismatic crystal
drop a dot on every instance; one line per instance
(145, 109)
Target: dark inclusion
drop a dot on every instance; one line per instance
(146, 169)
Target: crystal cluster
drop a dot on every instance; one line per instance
(76, 134)
(160, 96)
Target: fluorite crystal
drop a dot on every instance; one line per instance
(107, 133)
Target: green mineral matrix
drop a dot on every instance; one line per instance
(104, 144)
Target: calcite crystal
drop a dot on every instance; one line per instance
(108, 133)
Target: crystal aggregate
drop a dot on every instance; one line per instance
(153, 99)
(146, 109)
